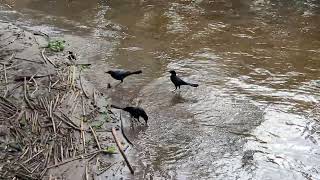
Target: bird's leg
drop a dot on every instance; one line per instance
(118, 84)
(175, 89)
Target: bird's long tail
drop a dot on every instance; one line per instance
(116, 107)
(135, 72)
(193, 85)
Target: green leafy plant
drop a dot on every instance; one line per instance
(110, 150)
(56, 45)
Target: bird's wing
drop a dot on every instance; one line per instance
(119, 71)
(180, 81)
(123, 72)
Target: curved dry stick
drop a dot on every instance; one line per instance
(82, 156)
(84, 92)
(29, 60)
(36, 84)
(6, 81)
(121, 151)
(25, 94)
(95, 137)
(86, 172)
(45, 58)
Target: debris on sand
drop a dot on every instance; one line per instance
(48, 113)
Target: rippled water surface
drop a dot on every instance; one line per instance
(257, 62)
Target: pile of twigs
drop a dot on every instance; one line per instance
(45, 118)
(41, 135)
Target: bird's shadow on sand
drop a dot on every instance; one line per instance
(113, 85)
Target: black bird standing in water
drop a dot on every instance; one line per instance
(135, 112)
(179, 82)
(121, 74)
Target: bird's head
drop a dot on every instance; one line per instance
(70, 52)
(172, 72)
(109, 72)
(145, 119)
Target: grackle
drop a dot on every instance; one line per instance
(121, 74)
(179, 82)
(135, 112)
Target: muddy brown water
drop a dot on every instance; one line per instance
(255, 113)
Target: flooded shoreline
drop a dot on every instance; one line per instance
(254, 114)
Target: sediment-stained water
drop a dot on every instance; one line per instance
(255, 114)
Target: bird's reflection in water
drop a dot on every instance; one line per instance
(133, 132)
(177, 98)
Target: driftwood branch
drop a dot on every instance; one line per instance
(121, 150)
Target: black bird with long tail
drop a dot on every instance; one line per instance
(135, 112)
(178, 81)
(121, 74)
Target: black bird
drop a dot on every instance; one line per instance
(71, 56)
(135, 112)
(121, 74)
(179, 82)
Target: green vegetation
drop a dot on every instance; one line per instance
(56, 45)
(110, 150)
